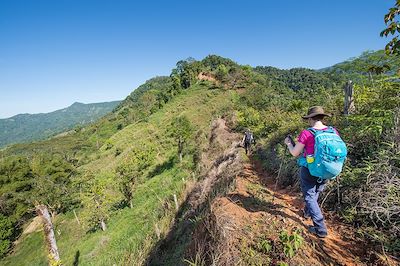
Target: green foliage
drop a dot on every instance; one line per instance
(186, 72)
(265, 246)
(250, 118)
(133, 167)
(212, 62)
(362, 68)
(296, 78)
(291, 242)
(221, 72)
(5, 245)
(198, 261)
(182, 131)
(44, 179)
(268, 249)
(6, 232)
(97, 199)
(282, 263)
(14, 169)
(52, 174)
(251, 256)
(108, 144)
(392, 28)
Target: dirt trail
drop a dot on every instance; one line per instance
(336, 249)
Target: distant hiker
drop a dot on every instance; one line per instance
(247, 140)
(323, 154)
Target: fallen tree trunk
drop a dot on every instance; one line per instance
(50, 239)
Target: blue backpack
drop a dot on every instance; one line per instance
(330, 153)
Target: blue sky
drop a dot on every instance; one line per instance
(53, 53)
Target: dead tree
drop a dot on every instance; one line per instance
(50, 238)
(349, 106)
(103, 224)
(396, 129)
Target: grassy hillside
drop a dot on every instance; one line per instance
(130, 231)
(123, 170)
(29, 127)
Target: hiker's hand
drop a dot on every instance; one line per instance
(288, 141)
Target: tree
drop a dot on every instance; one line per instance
(15, 169)
(378, 70)
(97, 199)
(52, 173)
(222, 72)
(176, 83)
(212, 62)
(181, 130)
(16, 182)
(187, 71)
(134, 165)
(148, 103)
(162, 98)
(392, 28)
(6, 232)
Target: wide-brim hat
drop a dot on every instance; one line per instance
(314, 111)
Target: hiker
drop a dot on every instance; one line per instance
(247, 140)
(312, 186)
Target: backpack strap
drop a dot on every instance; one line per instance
(312, 130)
(330, 130)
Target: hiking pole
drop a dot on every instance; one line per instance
(338, 190)
(280, 166)
(276, 182)
(279, 173)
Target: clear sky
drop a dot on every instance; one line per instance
(56, 52)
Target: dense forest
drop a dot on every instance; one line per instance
(111, 182)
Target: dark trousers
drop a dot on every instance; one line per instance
(247, 146)
(311, 189)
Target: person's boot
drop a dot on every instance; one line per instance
(313, 230)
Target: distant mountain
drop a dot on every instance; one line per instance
(29, 127)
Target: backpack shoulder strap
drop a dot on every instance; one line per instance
(331, 129)
(312, 130)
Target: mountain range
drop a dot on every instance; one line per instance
(30, 127)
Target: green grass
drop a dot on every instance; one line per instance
(131, 232)
(28, 252)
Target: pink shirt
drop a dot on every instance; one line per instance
(307, 138)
